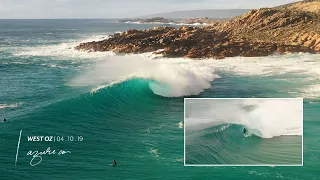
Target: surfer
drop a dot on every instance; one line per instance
(114, 163)
(244, 131)
(4, 119)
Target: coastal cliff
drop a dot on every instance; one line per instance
(257, 33)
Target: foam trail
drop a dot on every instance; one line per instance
(287, 68)
(266, 118)
(298, 63)
(3, 106)
(64, 50)
(169, 78)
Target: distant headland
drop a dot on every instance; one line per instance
(162, 20)
(284, 29)
(191, 17)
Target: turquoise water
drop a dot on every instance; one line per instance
(128, 108)
(230, 147)
(214, 131)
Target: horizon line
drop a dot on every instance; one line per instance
(134, 16)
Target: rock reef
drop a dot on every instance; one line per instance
(259, 32)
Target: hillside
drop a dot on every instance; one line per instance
(313, 6)
(306, 6)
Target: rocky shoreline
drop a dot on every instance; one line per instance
(151, 20)
(257, 33)
(161, 20)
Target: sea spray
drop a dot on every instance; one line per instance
(169, 79)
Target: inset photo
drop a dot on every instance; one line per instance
(243, 132)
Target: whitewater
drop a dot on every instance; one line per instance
(266, 118)
(175, 77)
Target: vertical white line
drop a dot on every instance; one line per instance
(184, 131)
(18, 148)
(302, 131)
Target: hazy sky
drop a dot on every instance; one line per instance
(117, 8)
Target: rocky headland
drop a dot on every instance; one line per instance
(161, 20)
(144, 21)
(259, 32)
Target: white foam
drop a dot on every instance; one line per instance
(154, 152)
(300, 63)
(307, 66)
(189, 75)
(94, 90)
(180, 125)
(64, 50)
(54, 65)
(264, 117)
(3, 106)
(184, 77)
(224, 127)
(168, 77)
(311, 91)
(171, 23)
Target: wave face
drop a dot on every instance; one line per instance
(226, 145)
(166, 78)
(214, 131)
(265, 118)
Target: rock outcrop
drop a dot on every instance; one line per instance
(257, 33)
(279, 26)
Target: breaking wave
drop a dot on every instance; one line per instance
(266, 118)
(182, 77)
(214, 131)
(166, 78)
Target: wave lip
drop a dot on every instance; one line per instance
(175, 80)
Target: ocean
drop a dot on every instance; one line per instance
(251, 132)
(97, 107)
